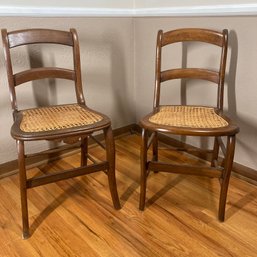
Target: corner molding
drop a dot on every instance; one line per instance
(200, 10)
(180, 11)
(64, 12)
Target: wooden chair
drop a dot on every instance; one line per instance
(62, 122)
(204, 121)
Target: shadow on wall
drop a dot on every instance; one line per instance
(230, 82)
(230, 78)
(44, 91)
(120, 87)
(247, 127)
(108, 88)
(204, 142)
(183, 86)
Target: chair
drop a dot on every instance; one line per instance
(189, 120)
(59, 122)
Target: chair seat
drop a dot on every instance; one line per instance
(187, 120)
(56, 119)
(188, 116)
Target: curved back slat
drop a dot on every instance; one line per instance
(41, 73)
(192, 73)
(201, 35)
(37, 36)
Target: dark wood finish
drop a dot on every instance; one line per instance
(193, 34)
(192, 73)
(23, 189)
(182, 169)
(110, 156)
(143, 158)
(41, 73)
(54, 177)
(222, 171)
(244, 172)
(228, 161)
(10, 168)
(32, 36)
(84, 151)
(69, 38)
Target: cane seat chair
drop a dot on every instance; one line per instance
(190, 120)
(59, 122)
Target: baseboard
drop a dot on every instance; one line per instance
(239, 170)
(11, 167)
(245, 172)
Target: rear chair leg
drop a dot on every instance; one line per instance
(143, 159)
(226, 175)
(23, 189)
(155, 147)
(84, 151)
(110, 154)
(215, 152)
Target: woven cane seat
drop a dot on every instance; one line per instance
(57, 117)
(188, 116)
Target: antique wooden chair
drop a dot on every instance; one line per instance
(61, 122)
(204, 121)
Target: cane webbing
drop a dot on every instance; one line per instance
(188, 116)
(57, 117)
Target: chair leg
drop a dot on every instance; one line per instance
(155, 146)
(23, 189)
(215, 151)
(110, 154)
(226, 175)
(84, 151)
(143, 158)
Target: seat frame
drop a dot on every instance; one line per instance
(151, 130)
(69, 38)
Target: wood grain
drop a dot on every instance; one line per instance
(75, 217)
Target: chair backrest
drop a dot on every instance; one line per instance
(18, 38)
(192, 34)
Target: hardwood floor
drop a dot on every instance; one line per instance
(76, 218)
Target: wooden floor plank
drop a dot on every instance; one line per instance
(76, 217)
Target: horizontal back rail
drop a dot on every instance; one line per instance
(193, 73)
(42, 73)
(36, 36)
(202, 35)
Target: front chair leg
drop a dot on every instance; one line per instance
(110, 155)
(143, 159)
(228, 162)
(23, 189)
